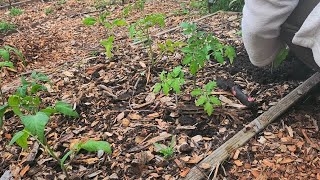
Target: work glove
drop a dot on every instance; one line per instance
(268, 25)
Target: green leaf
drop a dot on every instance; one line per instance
(65, 109)
(39, 76)
(281, 56)
(177, 70)
(201, 100)
(210, 86)
(157, 88)
(230, 53)
(5, 54)
(208, 108)
(3, 109)
(196, 92)
(108, 25)
(108, 44)
(194, 67)
(17, 52)
(215, 100)
(89, 21)
(22, 91)
(94, 146)
(176, 85)
(186, 60)
(6, 64)
(119, 22)
(49, 111)
(14, 103)
(166, 88)
(218, 56)
(35, 124)
(21, 138)
(37, 87)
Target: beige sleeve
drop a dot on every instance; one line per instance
(261, 28)
(309, 34)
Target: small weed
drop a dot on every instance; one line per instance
(6, 27)
(204, 97)
(140, 31)
(170, 81)
(281, 56)
(100, 4)
(61, 2)
(166, 151)
(48, 11)
(15, 11)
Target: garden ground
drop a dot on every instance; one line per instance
(115, 101)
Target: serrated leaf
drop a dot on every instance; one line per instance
(210, 86)
(65, 109)
(208, 108)
(218, 56)
(176, 85)
(37, 87)
(194, 67)
(186, 60)
(201, 100)
(230, 53)
(89, 21)
(176, 71)
(196, 92)
(94, 146)
(157, 88)
(165, 88)
(21, 138)
(35, 124)
(215, 100)
(3, 109)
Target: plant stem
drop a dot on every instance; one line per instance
(1, 93)
(51, 153)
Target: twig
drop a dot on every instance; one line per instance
(216, 172)
(15, 4)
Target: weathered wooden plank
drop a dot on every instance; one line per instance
(239, 139)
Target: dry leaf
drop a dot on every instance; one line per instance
(24, 170)
(255, 173)
(184, 172)
(91, 160)
(125, 122)
(267, 163)
(290, 131)
(134, 116)
(236, 154)
(286, 160)
(120, 116)
(238, 162)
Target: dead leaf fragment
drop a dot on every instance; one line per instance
(286, 161)
(238, 163)
(205, 166)
(184, 172)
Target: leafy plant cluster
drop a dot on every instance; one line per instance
(6, 27)
(27, 105)
(211, 6)
(15, 11)
(198, 50)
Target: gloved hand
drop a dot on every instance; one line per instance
(268, 25)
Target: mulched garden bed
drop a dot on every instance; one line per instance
(115, 101)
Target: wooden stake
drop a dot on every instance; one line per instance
(257, 125)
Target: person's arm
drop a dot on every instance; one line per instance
(261, 28)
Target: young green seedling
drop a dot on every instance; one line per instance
(201, 46)
(169, 47)
(170, 81)
(205, 99)
(166, 151)
(15, 11)
(140, 31)
(6, 27)
(26, 104)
